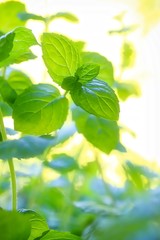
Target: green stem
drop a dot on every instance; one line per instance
(11, 165)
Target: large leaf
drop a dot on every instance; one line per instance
(6, 45)
(102, 133)
(20, 52)
(62, 163)
(60, 55)
(40, 109)
(52, 234)
(106, 68)
(14, 226)
(38, 223)
(96, 97)
(18, 80)
(25, 147)
(9, 15)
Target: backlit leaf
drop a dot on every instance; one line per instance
(102, 133)
(40, 109)
(24, 16)
(6, 45)
(14, 226)
(52, 234)
(20, 52)
(9, 15)
(66, 15)
(87, 72)
(96, 97)
(60, 55)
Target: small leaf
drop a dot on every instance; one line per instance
(20, 52)
(14, 226)
(106, 68)
(68, 83)
(52, 234)
(96, 97)
(87, 72)
(38, 223)
(40, 109)
(8, 15)
(62, 163)
(24, 16)
(6, 45)
(102, 133)
(18, 80)
(60, 55)
(25, 147)
(6, 109)
(66, 15)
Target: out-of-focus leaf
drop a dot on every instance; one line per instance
(62, 163)
(14, 226)
(38, 223)
(9, 11)
(106, 68)
(52, 234)
(8, 94)
(102, 133)
(66, 15)
(127, 89)
(20, 52)
(128, 55)
(6, 109)
(25, 147)
(24, 16)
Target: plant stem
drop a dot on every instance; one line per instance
(11, 165)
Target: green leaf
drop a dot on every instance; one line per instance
(24, 16)
(9, 15)
(38, 223)
(127, 89)
(18, 81)
(6, 45)
(40, 109)
(128, 55)
(52, 234)
(66, 15)
(96, 97)
(62, 163)
(102, 133)
(14, 226)
(25, 147)
(6, 109)
(60, 55)
(87, 72)
(20, 52)
(106, 68)
(8, 94)
(69, 83)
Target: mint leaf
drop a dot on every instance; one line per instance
(20, 52)
(96, 97)
(6, 45)
(40, 109)
(66, 15)
(87, 72)
(38, 223)
(69, 83)
(52, 234)
(60, 55)
(106, 68)
(126, 89)
(128, 55)
(14, 226)
(102, 133)
(62, 163)
(18, 80)
(25, 147)
(8, 15)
